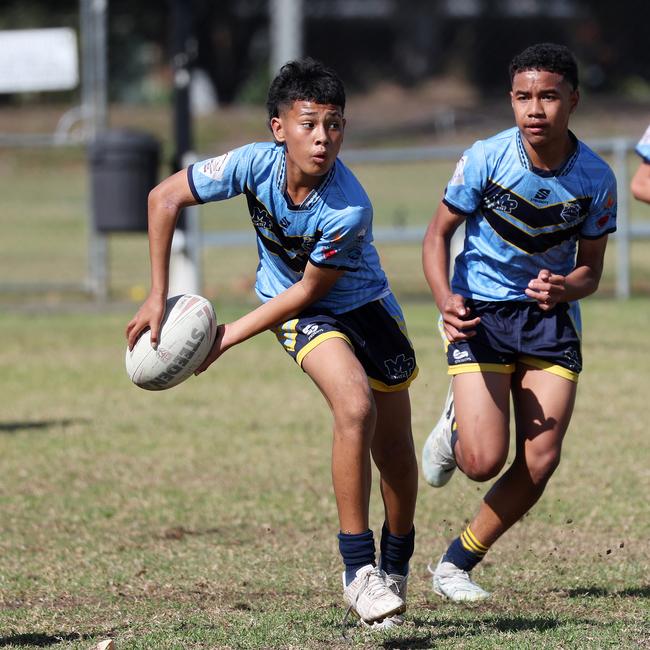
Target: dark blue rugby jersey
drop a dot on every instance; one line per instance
(331, 228)
(521, 220)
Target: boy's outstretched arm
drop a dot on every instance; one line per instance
(164, 205)
(435, 261)
(315, 283)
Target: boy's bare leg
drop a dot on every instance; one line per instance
(482, 409)
(543, 404)
(339, 375)
(394, 454)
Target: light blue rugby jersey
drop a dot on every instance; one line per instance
(521, 220)
(331, 228)
(643, 147)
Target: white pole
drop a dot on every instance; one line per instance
(623, 221)
(94, 111)
(286, 32)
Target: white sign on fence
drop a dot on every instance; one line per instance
(38, 60)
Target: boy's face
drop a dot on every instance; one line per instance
(312, 134)
(542, 102)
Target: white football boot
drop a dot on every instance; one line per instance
(370, 597)
(438, 462)
(399, 585)
(455, 584)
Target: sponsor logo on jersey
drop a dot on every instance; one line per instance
(459, 173)
(646, 137)
(215, 167)
(542, 195)
(261, 219)
(502, 202)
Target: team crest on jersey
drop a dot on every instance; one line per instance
(401, 367)
(570, 211)
(459, 173)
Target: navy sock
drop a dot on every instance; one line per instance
(465, 551)
(396, 551)
(357, 551)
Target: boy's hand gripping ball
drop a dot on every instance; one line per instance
(187, 334)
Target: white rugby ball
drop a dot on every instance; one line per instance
(187, 334)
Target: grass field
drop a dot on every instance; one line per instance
(203, 517)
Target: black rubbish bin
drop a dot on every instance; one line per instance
(124, 168)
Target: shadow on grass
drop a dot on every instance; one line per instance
(463, 628)
(15, 427)
(41, 640)
(601, 592)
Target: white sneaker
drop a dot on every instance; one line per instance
(438, 462)
(370, 596)
(451, 582)
(398, 584)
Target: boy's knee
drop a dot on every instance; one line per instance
(482, 466)
(397, 454)
(358, 413)
(541, 466)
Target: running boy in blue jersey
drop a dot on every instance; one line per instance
(640, 184)
(537, 205)
(327, 299)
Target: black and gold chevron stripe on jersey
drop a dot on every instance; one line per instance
(293, 251)
(542, 227)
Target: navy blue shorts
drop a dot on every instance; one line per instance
(375, 331)
(512, 332)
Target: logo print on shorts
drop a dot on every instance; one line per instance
(400, 367)
(460, 355)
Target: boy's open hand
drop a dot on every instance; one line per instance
(457, 320)
(547, 288)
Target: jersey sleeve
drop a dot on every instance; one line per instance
(341, 244)
(601, 219)
(643, 147)
(221, 177)
(464, 190)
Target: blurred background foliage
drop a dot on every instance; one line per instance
(367, 41)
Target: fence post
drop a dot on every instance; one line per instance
(623, 220)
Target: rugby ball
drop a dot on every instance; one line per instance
(187, 334)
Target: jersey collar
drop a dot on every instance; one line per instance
(313, 197)
(563, 170)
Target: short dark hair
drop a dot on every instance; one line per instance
(547, 56)
(304, 79)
